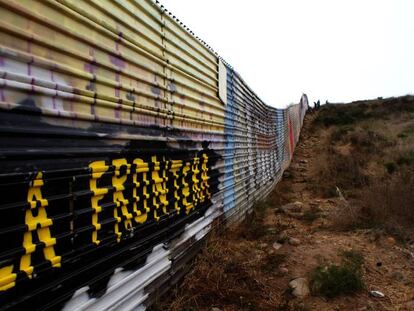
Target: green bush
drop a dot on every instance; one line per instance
(333, 280)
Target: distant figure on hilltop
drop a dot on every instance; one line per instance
(317, 104)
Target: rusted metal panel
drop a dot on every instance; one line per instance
(118, 153)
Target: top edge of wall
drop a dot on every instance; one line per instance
(163, 9)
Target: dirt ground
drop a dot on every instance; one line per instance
(243, 268)
(384, 259)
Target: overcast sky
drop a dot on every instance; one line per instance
(336, 50)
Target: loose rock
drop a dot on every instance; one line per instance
(277, 245)
(377, 294)
(271, 230)
(283, 270)
(215, 309)
(300, 287)
(391, 241)
(294, 241)
(296, 215)
(292, 207)
(282, 237)
(263, 245)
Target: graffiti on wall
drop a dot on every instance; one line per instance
(60, 221)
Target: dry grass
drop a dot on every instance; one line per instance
(389, 204)
(345, 171)
(231, 270)
(220, 274)
(346, 216)
(372, 162)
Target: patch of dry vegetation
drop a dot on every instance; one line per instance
(231, 269)
(371, 162)
(389, 203)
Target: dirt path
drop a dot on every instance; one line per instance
(250, 267)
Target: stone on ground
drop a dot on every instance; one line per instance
(294, 207)
(300, 287)
(277, 245)
(294, 241)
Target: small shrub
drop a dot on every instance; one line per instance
(409, 130)
(406, 159)
(339, 133)
(333, 280)
(346, 217)
(391, 167)
(369, 142)
(363, 139)
(389, 202)
(345, 170)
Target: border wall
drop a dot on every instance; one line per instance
(123, 139)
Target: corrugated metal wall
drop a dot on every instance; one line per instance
(119, 151)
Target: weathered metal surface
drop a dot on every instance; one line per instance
(117, 154)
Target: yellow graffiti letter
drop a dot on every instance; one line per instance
(98, 169)
(175, 167)
(118, 181)
(140, 215)
(39, 223)
(159, 187)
